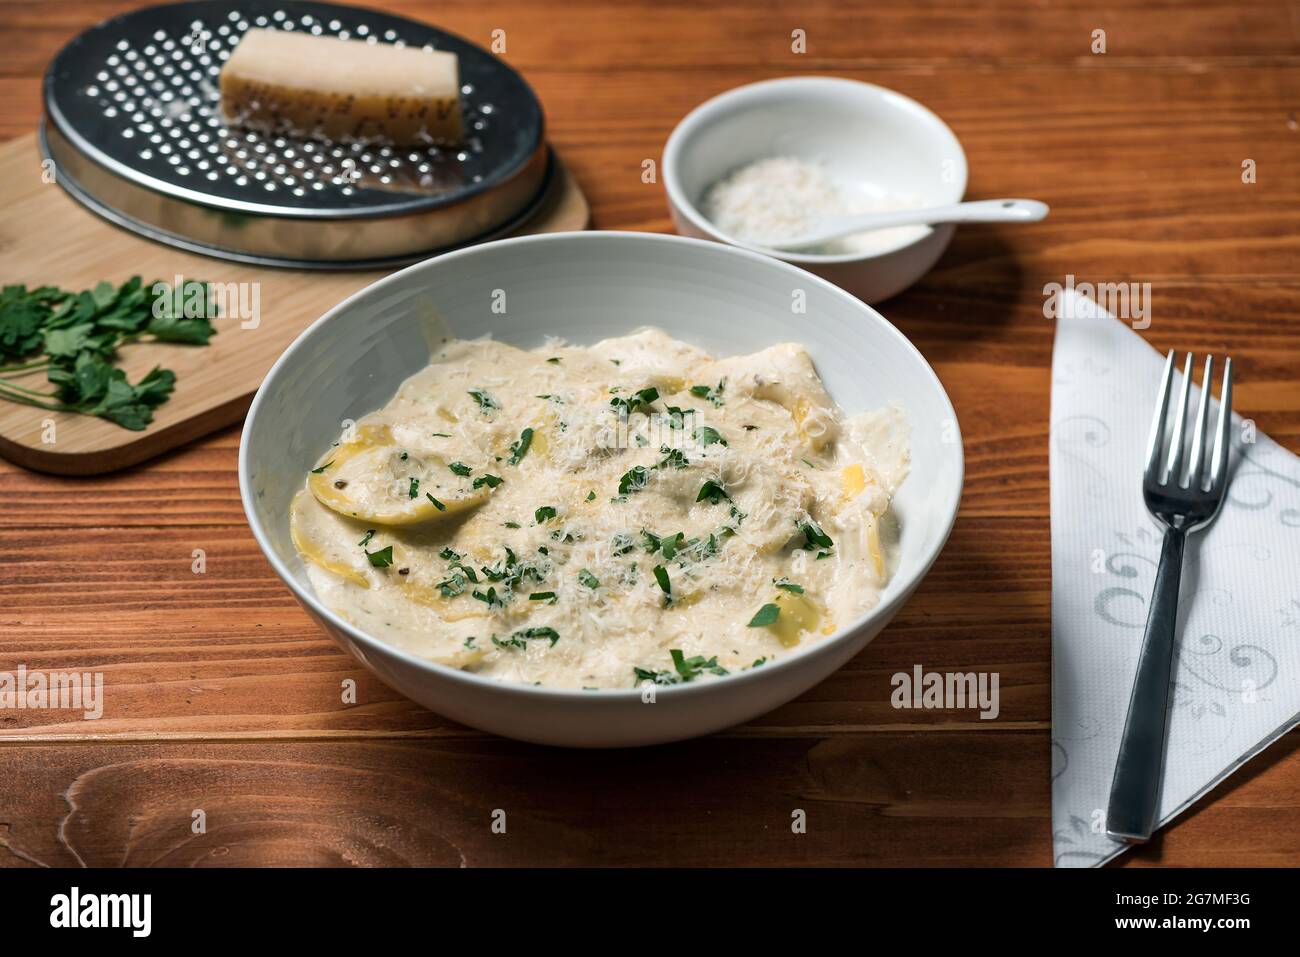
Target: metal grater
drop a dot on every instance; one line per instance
(132, 124)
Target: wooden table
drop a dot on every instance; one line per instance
(223, 697)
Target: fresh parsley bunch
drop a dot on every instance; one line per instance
(75, 337)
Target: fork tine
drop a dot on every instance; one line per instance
(1174, 463)
(1193, 479)
(1219, 460)
(1156, 440)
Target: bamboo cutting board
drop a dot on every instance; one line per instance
(47, 238)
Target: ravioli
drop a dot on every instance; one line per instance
(598, 517)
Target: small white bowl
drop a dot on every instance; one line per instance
(862, 134)
(584, 287)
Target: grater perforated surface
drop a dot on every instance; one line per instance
(138, 95)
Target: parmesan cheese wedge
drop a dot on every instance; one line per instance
(346, 91)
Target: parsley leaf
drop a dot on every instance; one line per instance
(661, 576)
(712, 492)
(815, 536)
(634, 480)
(633, 402)
(691, 668)
(520, 448)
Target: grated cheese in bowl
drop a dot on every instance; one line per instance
(782, 196)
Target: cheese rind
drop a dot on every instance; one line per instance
(346, 91)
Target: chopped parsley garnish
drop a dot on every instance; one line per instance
(637, 399)
(544, 514)
(588, 579)
(382, 558)
(553, 360)
(658, 677)
(436, 504)
(550, 633)
(520, 448)
(706, 435)
(491, 481)
(788, 585)
(591, 496)
(520, 638)
(543, 596)
(672, 457)
(634, 480)
(712, 492)
(448, 555)
(815, 536)
(709, 395)
(317, 471)
(414, 490)
(622, 543)
(692, 668)
(460, 468)
(670, 545)
(452, 586)
(511, 524)
(766, 615)
(485, 400)
(661, 576)
(370, 533)
(442, 435)
(489, 597)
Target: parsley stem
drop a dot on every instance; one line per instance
(28, 400)
(24, 366)
(31, 392)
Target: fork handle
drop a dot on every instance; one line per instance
(1135, 790)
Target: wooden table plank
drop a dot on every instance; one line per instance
(221, 694)
(883, 799)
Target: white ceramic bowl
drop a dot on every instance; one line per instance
(585, 287)
(862, 134)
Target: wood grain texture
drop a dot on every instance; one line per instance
(215, 383)
(221, 695)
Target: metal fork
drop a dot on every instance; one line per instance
(1183, 501)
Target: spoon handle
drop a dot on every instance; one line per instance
(987, 211)
(979, 211)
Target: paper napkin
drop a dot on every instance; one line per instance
(1237, 672)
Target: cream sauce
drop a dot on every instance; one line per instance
(596, 517)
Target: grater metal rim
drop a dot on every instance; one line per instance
(149, 231)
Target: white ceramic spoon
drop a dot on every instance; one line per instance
(981, 211)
